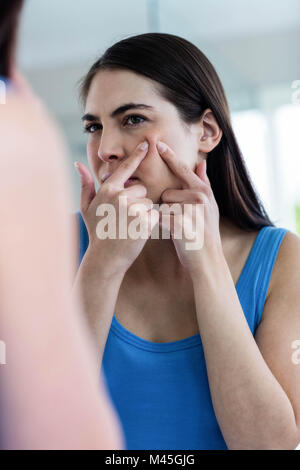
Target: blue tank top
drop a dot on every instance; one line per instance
(6, 85)
(160, 390)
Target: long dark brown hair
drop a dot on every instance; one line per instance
(189, 81)
(9, 19)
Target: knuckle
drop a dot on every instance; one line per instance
(207, 192)
(126, 165)
(136, 209)
(205, 199)
(123, 203)
(123, 192)
(166, 195)
(83, 183)
(143, 188)
(109, 189)
(149, 201)
(184, 168)
(199, 196)
(139, 204)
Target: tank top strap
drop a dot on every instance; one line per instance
(83, 237)
(261, 265)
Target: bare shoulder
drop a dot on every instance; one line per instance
(277, 334)
(286, 271)
(237, 245)
(283, 298)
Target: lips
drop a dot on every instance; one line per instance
(130, 181)
(105, 176)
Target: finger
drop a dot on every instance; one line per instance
(176, 195)
(136, 190)
(154, 218)
(128, 166)
(201, 172)
(148, 221)
(87, 186)
(138, 208)
(183, 195)
(144, 201)
(179, 168)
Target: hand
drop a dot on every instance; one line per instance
(116, 254)
(198, 213)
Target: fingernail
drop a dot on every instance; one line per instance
(161, 147)
(77, 167)
(144, 145)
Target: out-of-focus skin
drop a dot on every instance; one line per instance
(51, 394)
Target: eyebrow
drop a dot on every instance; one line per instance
(118, 111)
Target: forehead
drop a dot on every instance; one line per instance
(110, 88)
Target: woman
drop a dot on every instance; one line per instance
(195, 344)
(50, 396)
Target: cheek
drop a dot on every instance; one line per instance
(91, 149)
(155, 172)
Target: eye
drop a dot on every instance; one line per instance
(133, 117)
(92, 128)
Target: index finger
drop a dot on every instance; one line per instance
(178, 167)
(127, 167)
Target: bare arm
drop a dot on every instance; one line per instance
(254, 384)
(108, 258)
(97, 291)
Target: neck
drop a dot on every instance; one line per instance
(159, 261)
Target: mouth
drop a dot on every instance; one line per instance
(131, 181)
(105, 176)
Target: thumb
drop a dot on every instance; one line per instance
(87, 186)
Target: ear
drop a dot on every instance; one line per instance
(210, 132)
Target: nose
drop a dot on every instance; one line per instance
(108, 149)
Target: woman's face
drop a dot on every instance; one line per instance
(113, 138)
